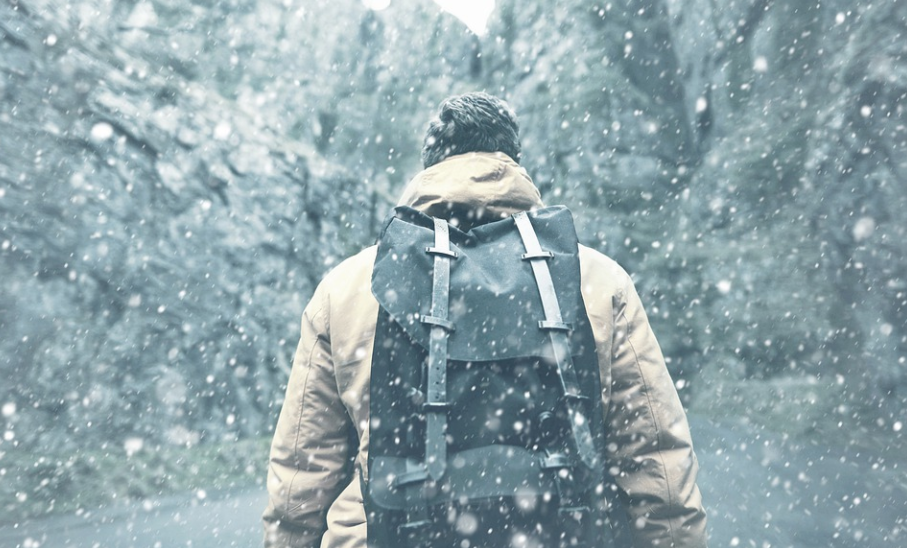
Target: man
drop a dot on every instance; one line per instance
(472, 176)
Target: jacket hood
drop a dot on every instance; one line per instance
(473, 188)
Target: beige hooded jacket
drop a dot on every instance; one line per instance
(321, 440)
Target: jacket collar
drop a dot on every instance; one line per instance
(470, 189)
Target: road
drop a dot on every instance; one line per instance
(762, 490)
(217, 520)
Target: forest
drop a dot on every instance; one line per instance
(176, 176)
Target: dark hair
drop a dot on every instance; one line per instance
(472, 122)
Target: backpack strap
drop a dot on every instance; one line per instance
(415, 474)
(558, 334)
(436, 390)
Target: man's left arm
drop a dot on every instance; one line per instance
(649, 438)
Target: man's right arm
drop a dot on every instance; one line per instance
(309, 452)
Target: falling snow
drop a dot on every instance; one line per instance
(175, 179)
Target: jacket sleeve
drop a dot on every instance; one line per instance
(309, 461)
(650, 452)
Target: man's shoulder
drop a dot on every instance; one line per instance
(597, 265)
(351, 309)
(351, 275)
(355, 264)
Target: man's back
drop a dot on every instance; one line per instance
(647, 441)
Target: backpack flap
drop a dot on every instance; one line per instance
(494, 303)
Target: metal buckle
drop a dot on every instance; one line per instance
(537, 255)
(437, 251)
(410, 528)
(575, 398)
(415, 476)
(555, 460)
(440, 322)
(555, 326)
(574, 510)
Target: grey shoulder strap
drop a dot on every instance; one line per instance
(558, 334)
(436, 389)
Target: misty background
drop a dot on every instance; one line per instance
(177, 175)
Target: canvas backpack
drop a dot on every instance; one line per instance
(486, 425)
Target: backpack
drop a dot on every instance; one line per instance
(486, 425)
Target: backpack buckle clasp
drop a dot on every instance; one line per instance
(412, 528)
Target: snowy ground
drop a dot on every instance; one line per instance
(761, 490)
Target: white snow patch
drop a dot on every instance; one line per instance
(180, 435)
(376, 5)
(473, 13)
(142, 16)
(760, 64)
(467, 524)
(101, 132)
(222, 131)
(863, 228)
(724, 286)
(133, 445)
(9, 409)
(701, 104)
